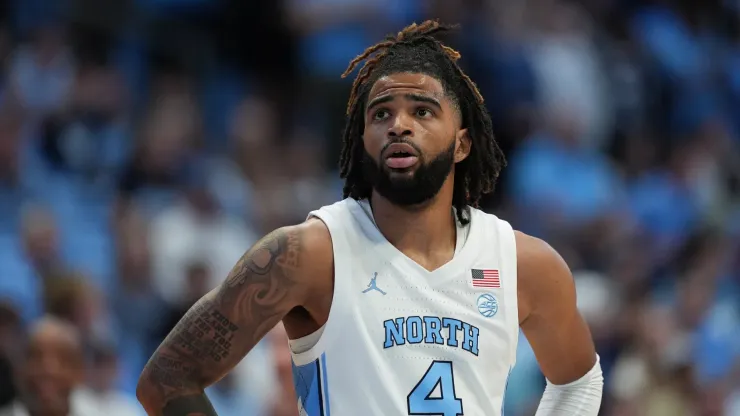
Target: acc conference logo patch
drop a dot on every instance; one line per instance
(487, 305)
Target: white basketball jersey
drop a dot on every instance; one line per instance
(401, 340)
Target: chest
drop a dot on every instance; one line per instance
(408, 314)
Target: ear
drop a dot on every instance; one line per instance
(462, 145)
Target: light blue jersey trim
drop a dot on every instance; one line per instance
(506, 387)
(312, 387)
(325, 379)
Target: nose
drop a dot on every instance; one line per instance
(401, 126)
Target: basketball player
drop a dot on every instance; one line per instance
(402, 299)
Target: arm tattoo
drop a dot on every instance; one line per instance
(224, 325)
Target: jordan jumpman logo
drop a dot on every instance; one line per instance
(373, 286)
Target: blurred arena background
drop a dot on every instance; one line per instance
(145, 144)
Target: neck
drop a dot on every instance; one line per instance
(426, 231)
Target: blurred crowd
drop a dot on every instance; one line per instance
(146, 144)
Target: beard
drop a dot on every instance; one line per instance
(409, 190)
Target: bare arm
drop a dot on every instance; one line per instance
(555, 329)
(271, 279)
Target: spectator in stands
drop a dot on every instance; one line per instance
(195, 227)
(101, 388)
(51, 371)
(163, 158)
(71, 297)
(41, 243)
(135, 299)
(11, 330)
(42, 71)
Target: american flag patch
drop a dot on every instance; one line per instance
(486, 278)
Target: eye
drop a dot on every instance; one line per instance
(423, 112)
(380, 115)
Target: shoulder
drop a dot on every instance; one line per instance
(309, 243)
(535, 256)
(543, 277)
(313, 233)
(307, 249)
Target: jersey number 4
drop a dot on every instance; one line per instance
(434, 394)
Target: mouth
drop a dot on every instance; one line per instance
(400, 156)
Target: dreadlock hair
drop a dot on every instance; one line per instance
(414, 49)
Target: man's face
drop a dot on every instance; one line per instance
(412, 138)
(51, 371)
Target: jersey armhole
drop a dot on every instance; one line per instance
(311, 347)
(508, 261)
